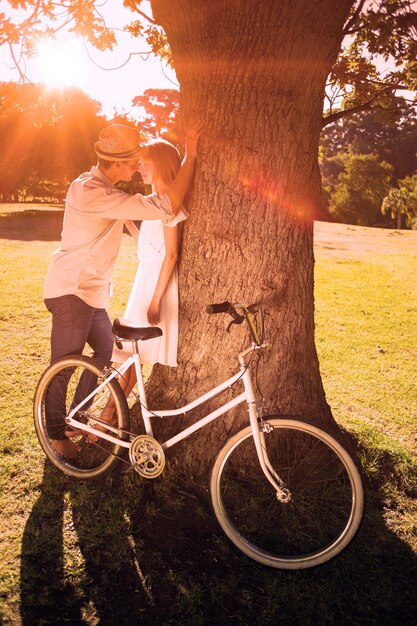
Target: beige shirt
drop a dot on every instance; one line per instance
(91, 236)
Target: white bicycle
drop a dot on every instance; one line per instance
(286, 493)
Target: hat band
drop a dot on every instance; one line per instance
(117, 155)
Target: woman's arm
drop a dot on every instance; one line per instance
(133, 229)
(177, 190)
(171, 237)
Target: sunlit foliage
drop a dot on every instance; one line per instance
(47, 139)
(376, 67)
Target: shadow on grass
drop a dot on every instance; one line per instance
(44, 588)
(32, 225)
(78, 563)
(152, 553)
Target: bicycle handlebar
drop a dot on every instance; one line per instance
(220, 307)
(225, 307)
(228, 307)
(248, 315)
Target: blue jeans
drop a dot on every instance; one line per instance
(74, 324)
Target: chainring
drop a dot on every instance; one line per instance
(147, 456)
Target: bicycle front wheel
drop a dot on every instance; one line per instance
(63, 386)
(326, 504)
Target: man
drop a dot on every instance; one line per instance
(77, 287)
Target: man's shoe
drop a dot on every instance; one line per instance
(65, 448)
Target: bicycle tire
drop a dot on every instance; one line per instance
(94, 460)
(326, 505)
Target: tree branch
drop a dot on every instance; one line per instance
(17, 64)
(330, 119)
(333, 117)
(152, 21)
(133, 5)
(354, 18)
(31, 18)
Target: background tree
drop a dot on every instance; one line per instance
(402, 202)
(360, 189)
(377, 62)
(48, 138)
(15, 133)
(391, 135)
(410, 183)
(160, 109)
(256, 73)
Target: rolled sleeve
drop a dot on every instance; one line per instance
(181, 216)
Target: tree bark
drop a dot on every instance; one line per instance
(254, 73)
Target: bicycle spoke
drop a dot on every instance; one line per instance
(65, 386)
(326, 496)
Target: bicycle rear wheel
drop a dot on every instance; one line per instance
(326, 504)
(62, 386)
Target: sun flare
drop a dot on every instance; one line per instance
(61, 65)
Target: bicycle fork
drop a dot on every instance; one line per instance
(258, 432)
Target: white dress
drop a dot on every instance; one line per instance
(151, 253)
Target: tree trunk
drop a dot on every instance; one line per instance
(254, 73)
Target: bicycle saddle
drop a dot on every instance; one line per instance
(123, 329)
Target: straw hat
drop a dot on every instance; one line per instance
(118, 142)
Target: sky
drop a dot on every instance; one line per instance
(69, 60)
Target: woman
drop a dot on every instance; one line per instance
(154, 296)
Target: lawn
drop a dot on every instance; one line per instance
(132, 552)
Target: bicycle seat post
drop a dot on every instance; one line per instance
(141, 387)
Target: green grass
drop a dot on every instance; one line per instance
(366, 306)
(136, 552)
(369, 309)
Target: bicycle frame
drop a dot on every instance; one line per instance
(248, 396)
